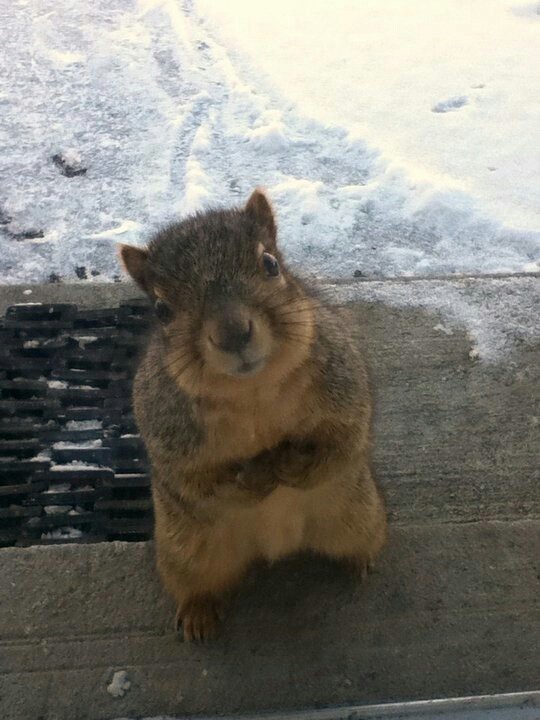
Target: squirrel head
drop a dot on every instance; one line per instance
(230, 312)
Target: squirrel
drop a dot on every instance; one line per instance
(253, 403)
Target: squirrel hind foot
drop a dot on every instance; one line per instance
(199, 618)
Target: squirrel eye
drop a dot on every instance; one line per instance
(163, 312)
(270, 265)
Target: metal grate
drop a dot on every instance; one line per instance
(72, 466)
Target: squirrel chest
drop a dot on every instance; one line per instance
(243, 427)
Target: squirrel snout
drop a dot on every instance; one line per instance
(231, 333)
(238, 340)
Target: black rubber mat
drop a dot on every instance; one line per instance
(72, 466)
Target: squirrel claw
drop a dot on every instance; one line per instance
(199, 619)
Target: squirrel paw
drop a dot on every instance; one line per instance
(199, 618)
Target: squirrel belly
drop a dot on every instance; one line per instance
(253, 403)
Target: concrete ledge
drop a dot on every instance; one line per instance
(452, 610)
(513, 706)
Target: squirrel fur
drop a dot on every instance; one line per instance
(253, 402)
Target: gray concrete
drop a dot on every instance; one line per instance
(510, 706)
(451, 611)
(85, 294)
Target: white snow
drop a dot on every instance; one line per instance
(57, 384)
(75, 465)
(77, 446)
(384, 66)
(84, 425)
(58, 487)
(85, 340)
(494, 315)
(56, 509)
(119, 684)
(63, 533)
(43, 456)
(395, 138)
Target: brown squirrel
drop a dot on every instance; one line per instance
(253, 403)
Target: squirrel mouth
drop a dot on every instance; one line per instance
(249, 368)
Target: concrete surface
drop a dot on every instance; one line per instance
(452, 609)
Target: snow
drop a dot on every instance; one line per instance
(119, 684)
(408, 147)
(63, 533)
(395, 139)
(477, 60)
(43, 456)
(57, 384)
(84, 425)
(75, 465)
(58, 487)
(56, 509)
(85, 340)
(494, 313)
(77, 446)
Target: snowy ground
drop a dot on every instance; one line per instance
(394, 138)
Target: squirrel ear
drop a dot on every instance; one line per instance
(134, 261)
(260, 209)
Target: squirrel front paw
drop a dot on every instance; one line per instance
(295, 462)
(257, 476)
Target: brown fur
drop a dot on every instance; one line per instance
(248, 466)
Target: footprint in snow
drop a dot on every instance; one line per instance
(531, 11)
(453, 103)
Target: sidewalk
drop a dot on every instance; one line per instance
(452, 609)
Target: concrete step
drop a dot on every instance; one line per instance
(451, 611)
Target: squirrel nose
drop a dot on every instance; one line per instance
(232, 334)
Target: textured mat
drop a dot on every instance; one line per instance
(72, 467)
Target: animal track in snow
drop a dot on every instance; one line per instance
(453, 103)
(530, 11)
